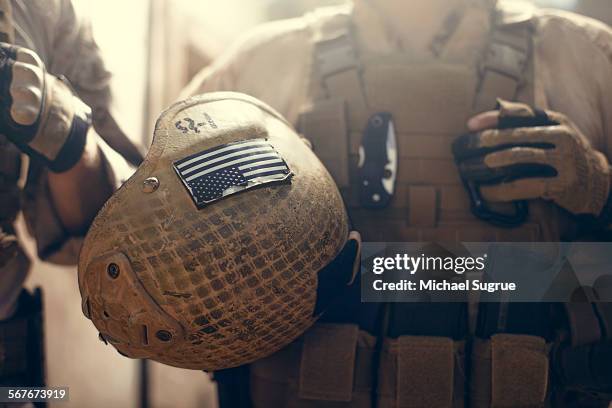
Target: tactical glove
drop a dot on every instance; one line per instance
(38, 111)
(535, 154)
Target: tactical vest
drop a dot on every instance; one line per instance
(340, 365)
(430, 103)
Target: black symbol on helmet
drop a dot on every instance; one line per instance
(187, 124)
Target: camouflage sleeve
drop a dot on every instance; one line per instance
(574, 67)
(75, 55)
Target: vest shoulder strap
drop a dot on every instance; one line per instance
(334, 50)
(333, 70)
(506, 68)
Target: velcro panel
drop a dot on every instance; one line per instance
(454, 198)
(425, 372)
(422, 206)
(519, 371)
(325, 126)
(411, 92)
(430, 171)
(328, 361)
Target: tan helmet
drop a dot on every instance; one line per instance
(210, 256)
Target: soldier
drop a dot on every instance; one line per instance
(55, 107)
(427, 71)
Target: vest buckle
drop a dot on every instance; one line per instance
(482, 211)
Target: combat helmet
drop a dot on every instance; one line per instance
(223, 246)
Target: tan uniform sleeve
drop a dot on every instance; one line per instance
(75, 55)
(270, 63)
(574, 73)
(53, 242)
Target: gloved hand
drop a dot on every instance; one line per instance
(519, 153)
(38, 111)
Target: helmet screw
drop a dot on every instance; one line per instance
(150, 185)
(163, 335)
(113, 270)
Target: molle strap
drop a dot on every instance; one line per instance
(425, 371)
(334, 51)
(505, 66)
(7, 29)
(480, 374)
(328, 362)
(325, 126)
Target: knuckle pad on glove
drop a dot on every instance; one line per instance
(514, 109)
(558, 117)
(498, 193)
(24, 114)
(26, 95)
(26, 74)
(26, 105)
(28, 56)
(491, 138)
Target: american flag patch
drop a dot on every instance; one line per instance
(228, 169)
